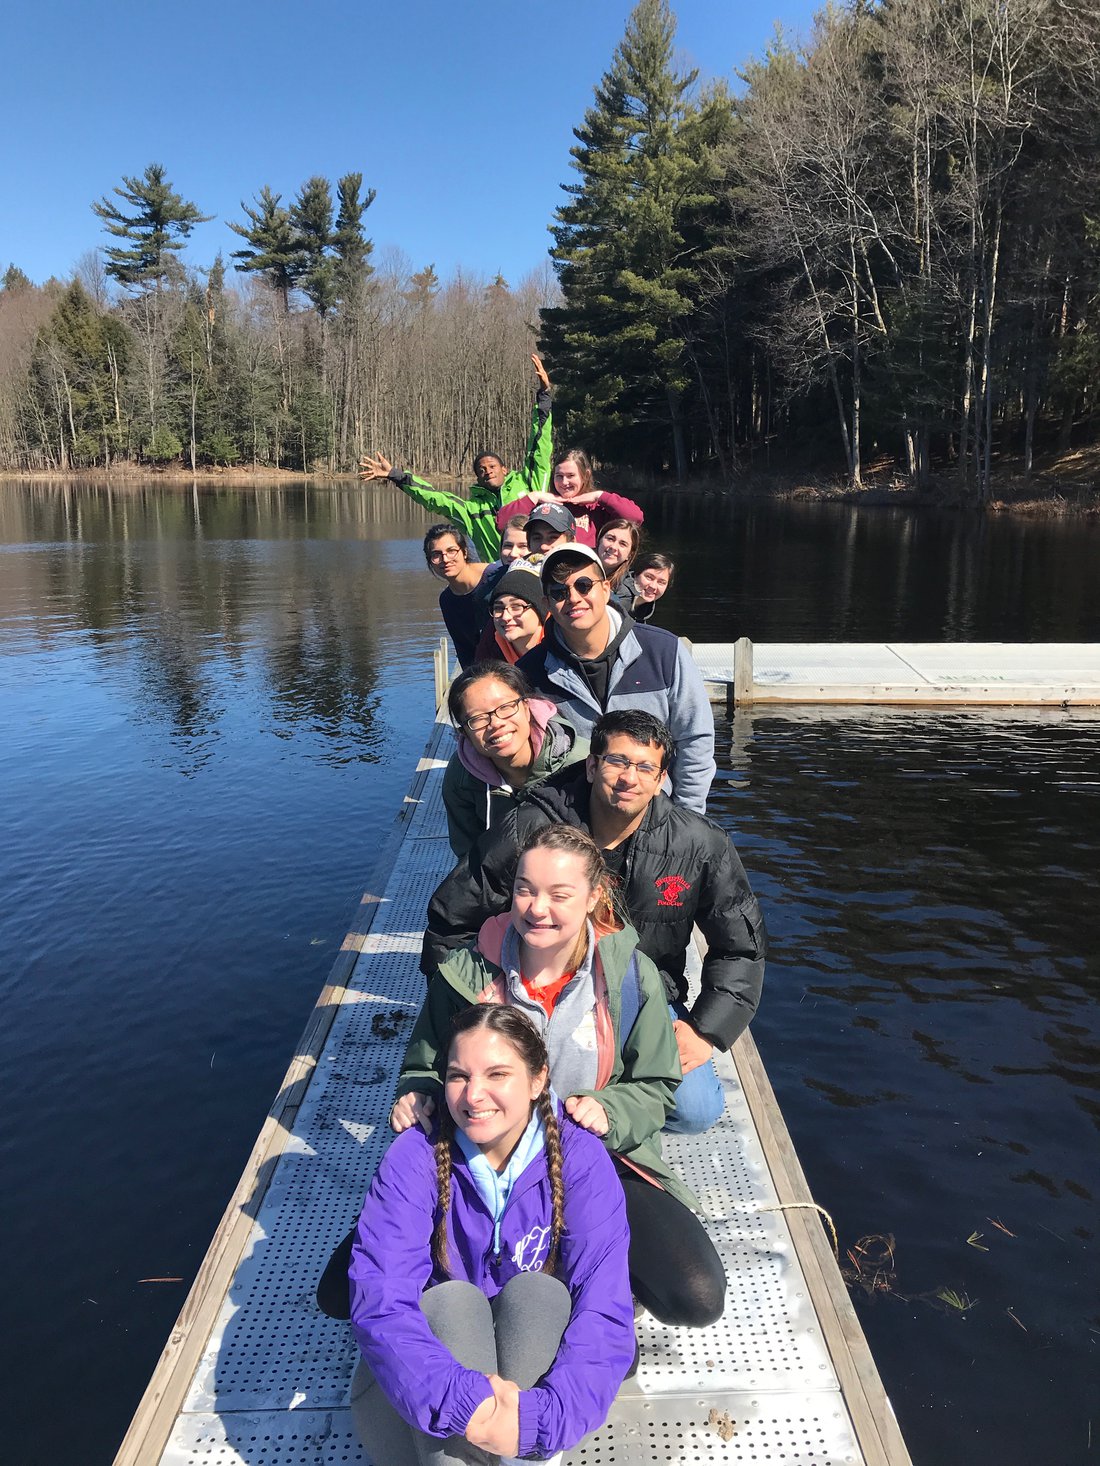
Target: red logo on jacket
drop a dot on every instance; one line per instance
(672, 889)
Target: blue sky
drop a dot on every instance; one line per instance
(460, 114)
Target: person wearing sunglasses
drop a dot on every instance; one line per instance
(674, 870)
(507, 739)
(594, 659)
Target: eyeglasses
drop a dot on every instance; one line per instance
(515, 609)
(505, 711)
(444, 554)
(582, 585)
(622, 763)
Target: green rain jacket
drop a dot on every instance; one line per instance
(645, 1067)
(477, 514)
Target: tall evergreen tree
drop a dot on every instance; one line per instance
(156, 228)
(617, 342)
(274, 249)
(311, 215)
(351, 246)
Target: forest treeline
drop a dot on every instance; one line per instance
(878, 244)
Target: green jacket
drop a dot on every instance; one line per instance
(645, 1069)
(477, 513)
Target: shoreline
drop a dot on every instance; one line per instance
(1062, 498)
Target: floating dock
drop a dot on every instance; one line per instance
(253, 1374)
(947, 673)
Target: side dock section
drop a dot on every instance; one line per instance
(253, 1373)
(946, 673)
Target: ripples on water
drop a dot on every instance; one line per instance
(930, 1025)
(212, 705)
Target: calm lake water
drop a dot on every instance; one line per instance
(212, 705)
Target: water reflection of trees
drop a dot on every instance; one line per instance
(201, 592)
(944, 860)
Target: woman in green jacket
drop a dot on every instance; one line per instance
(496, 486)
(508, 738)
(561, 955)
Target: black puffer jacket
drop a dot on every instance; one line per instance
(680, 870)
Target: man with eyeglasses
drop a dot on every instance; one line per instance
(674, 870)
(594, 659)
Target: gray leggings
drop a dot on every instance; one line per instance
(516, 1335)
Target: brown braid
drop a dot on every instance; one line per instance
(442, 1150)
(553, 1166)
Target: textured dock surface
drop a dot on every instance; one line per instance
(254, 1374)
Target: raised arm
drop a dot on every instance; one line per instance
(535, 474)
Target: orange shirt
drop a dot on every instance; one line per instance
(547, 995)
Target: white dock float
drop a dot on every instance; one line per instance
(951, 673)
(253, 1374)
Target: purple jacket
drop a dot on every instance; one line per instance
(391, 1265)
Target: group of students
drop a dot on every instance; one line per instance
(524, 1213)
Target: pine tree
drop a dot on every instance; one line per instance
(351, 246)
(274, 250)
(14, 279)
(311, 216)
(160, 222)
(616, 344)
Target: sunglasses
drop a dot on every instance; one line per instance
(582, 585)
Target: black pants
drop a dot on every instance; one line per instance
(675, 1272)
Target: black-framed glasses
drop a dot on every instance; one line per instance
(582, 585)
(622, 763)
(505, 711)
(441, 555)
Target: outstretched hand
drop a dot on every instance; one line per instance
(377, 467)
(412, 1109)
(540, 371)
(588, 1113)
(494, 1425)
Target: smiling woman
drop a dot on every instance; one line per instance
(507, 738)
(519, 1291)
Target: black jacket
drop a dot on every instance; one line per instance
(680, 870)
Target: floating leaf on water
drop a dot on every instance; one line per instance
(993, 1222)
(1015, 1320)
(975, 1240)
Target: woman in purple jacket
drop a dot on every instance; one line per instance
(489, 1289)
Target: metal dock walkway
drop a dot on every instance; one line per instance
(254, 1374)
(948, 673)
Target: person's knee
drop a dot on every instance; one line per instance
(454, 1299)
(693, 1295)
(699, 1103)
(535, 1289)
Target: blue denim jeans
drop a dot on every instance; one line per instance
(699, 1097)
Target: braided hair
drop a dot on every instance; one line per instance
(517, 1030)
